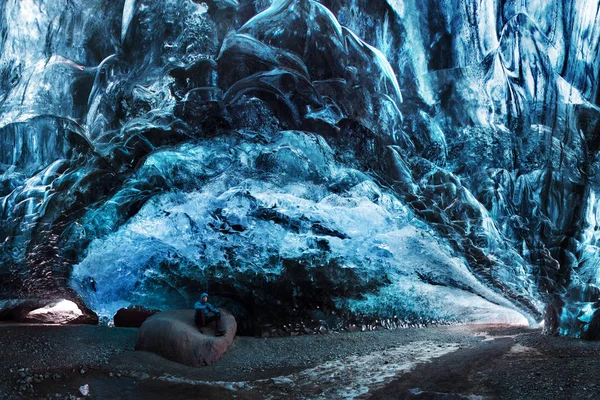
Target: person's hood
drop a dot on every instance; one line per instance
(202, 296)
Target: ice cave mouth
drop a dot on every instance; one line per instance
(59, 312)
(307, 162)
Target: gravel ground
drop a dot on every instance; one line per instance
(43, 362)
(523, 365)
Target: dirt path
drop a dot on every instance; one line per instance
(450, 376)
(520, 366)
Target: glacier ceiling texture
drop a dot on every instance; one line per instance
(399, 162)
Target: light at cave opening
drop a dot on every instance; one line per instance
(61, 312)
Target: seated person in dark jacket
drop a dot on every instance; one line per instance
(203, 308)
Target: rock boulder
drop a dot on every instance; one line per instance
(132, 317)
(173, 335)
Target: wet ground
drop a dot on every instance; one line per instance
(458, 362)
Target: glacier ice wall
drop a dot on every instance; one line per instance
(405, 161)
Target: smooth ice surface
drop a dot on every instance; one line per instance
(327, 163)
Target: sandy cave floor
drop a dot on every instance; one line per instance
(455, 362)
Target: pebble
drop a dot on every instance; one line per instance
(84, 390)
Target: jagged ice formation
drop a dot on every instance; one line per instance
(406, 161)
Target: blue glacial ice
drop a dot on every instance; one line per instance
(362, 162)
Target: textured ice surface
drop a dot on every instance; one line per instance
(410, 162)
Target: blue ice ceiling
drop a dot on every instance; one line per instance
(409, 161)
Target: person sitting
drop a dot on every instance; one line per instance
(202, 318)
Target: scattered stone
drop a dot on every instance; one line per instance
(84, 390)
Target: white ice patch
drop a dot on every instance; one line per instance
(233, 386)
(488, 338)
(128, 11)
(346, 378)
(355, 376)
(519, 349)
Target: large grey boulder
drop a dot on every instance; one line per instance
(173, 335)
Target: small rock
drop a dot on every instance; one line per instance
(84, 390)
(82, 371)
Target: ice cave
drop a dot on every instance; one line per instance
(393, 163)
(317, 166)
